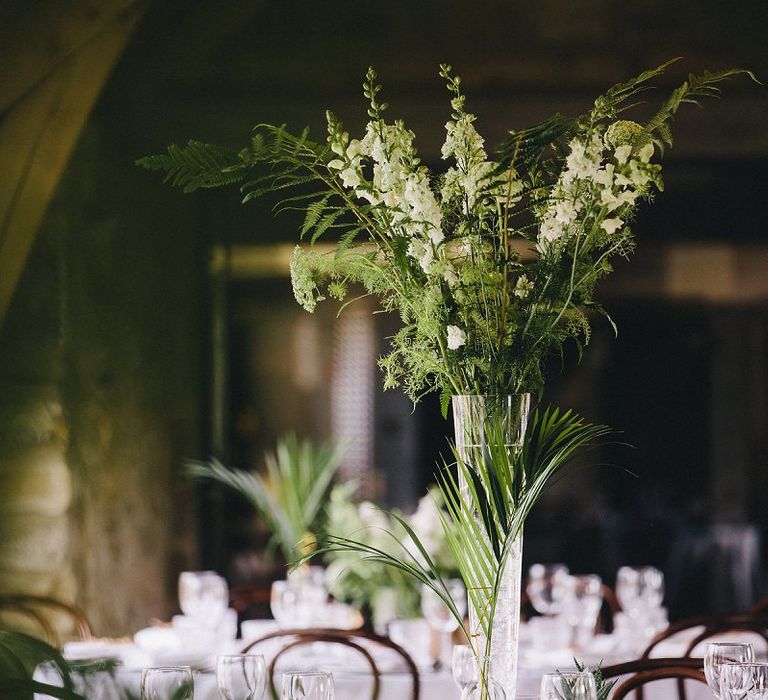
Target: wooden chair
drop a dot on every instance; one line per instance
(712, 627)
(351, 639)
(35, 607)
(644, 670)
(250, 602)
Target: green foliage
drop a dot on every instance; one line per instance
(290, 496)
(604, 687)
(443, 250)
(20, 655)
(483, 520)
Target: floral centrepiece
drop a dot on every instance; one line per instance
(491, 265)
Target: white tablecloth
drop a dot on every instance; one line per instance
(353, 683)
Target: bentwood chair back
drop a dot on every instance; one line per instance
(39, 609)
(357, 640)
(711, 626)
(644, 670)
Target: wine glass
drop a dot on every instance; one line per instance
(241, 676)
(568, 686)
(167, 683)
(307, 686)
(582, 600)
(440, 618)
(737, 680)
(283, 601)
(639, 589)
(463, 666)
(203, 596)
(545, 587)
(719, 653)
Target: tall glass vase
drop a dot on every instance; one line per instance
(470, 416)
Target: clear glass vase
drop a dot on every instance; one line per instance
(484, 687)
(471, 415)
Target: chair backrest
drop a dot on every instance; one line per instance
(38, 608)
(644, 670)
(712, 626)
(357, 640)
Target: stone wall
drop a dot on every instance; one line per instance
(100, 395)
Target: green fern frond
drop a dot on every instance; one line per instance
(611, 103)
(198, 165)
(522, 149)
(691, 91)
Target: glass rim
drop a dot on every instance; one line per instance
(569, 674)
(729, 644)
(166, 668)
(240, 656)
(763, 664)
(292, 674)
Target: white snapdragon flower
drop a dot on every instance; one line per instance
(523, 287)
(645, 152)
(583, 161)
(609, 199)
(355, 149)
(350, 177)
(605, 175)
(610, 226)
(550, 231)
(565, 211)
(456, 337)
(422, 252)
(622, 153)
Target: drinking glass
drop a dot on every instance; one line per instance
(307, 686)
(167, 683)
(463, 666)
(639, 589)
(719, 653)
(283, 601)
(439, 617)
(241, 676)
(203, 596)
(545, 587)
(300, 601)
(582, 600)
(739, 679)
(568, 686)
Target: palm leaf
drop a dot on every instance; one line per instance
(292, 494)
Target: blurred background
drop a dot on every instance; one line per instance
(140, 327)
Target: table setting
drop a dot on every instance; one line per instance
(199, 655)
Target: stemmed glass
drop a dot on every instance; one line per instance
(241, 676)
(639, 589)
(568, 686)
(582, 601)
(203, 596)
(545, 587)
(719, 653)
(167, 683)
(463, 666)
(738, 680)
(439, 617)
(307, 686)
